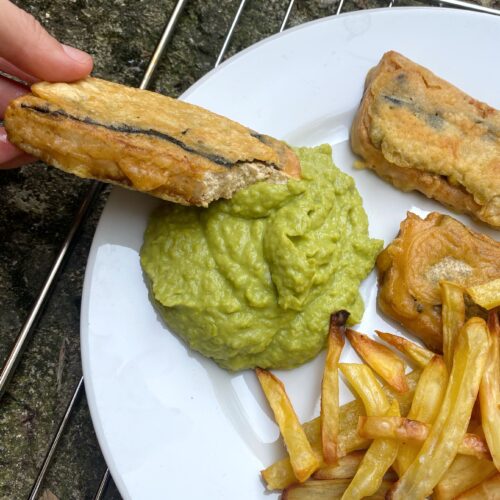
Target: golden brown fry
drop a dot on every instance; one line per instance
(487, 490)
(418, 354)
(414, 431)
(489, 390)
(348, 440)
(464, 473)
(430, 391)
(429, 395)
(382, 452)
(345, 468)
(327, 490)
(440, 448)
(380, 358)
(403, 398)
(475, 446)
(400, 428)
(330, 388)
(302, 457)
(366, 386)
(453, 317)
(280, 474)
(377, 460)
(486, 295)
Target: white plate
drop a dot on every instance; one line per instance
(172, 424)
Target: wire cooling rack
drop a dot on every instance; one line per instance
(15, 355)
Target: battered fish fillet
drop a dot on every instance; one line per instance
(421, 133)
(144, 141)
(425, 252)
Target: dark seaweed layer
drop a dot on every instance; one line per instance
(219, 160)
(434, 120)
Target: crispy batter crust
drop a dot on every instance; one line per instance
(425, 252)
(420, 133)
(144, 141)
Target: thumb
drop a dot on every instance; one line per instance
(26, 44)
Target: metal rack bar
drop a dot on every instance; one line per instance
(26, 331)
(160, 48)
(339, 8)
(230, 33)
(469, 6)
(48, 458)
(103, 485)
(287, 15)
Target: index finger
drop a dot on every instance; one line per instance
(26, 45)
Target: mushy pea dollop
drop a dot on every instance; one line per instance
(252, 281)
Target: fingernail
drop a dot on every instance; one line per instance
(76, 54)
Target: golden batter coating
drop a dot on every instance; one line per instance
(420, 133)
(425, 252)
(144, 141)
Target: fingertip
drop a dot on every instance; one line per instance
(29, 47)
(64, 68)
(79, 56)
(80, 63)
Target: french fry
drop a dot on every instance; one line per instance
(453, 317)
(348, 439)
(430, 391)
(489, 489)
(280, 474)
(366, 387)
(382, 452)
(345, 468)
(464, 473)
(414, 431)
(330, 388)
(475, 446)
(380, 358)
(427, 400)
(441, 447)
(486, 295)
(400, 428)
(332, 489)
(377, 460)
(302, 458)
(404, 399)
(418, 354)
(489, 390)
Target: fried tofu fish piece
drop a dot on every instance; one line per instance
(144, 141)
(425, 252)
(421, 133)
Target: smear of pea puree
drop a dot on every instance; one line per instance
(252, 281)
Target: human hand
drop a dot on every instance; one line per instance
(28, 52)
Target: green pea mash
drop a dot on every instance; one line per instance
(252, 281)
